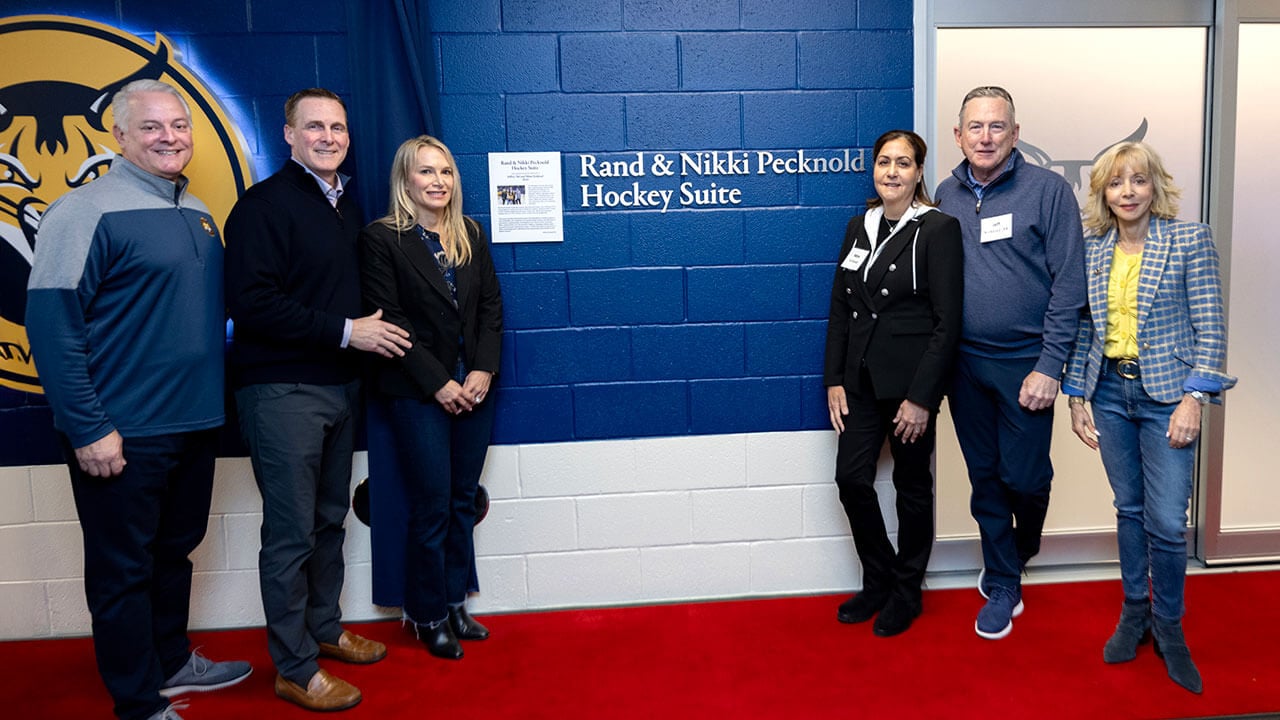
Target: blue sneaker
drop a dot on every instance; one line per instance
(201, 674)
(995, 620)
(984, 589)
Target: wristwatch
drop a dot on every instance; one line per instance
(1201, 397)
(1075, 400)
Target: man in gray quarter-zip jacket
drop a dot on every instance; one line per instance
(126, 321)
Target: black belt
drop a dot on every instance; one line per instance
(1126, 368)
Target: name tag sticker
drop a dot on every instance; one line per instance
(999, 227)
(855, 259)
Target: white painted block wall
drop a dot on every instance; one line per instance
(571, 524)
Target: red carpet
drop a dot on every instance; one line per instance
(784, 658)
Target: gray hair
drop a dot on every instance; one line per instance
(120, 102)
(988, 91)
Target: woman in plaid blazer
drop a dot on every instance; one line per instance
(1149, 357)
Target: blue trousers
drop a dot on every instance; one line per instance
(389, 510)
(1152, 486)
(441, 457)
(1006, 449)
(300, 440)
(139, 529)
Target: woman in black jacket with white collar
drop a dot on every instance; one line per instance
(891, 338)
(427, 267)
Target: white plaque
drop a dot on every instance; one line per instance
(525, 197)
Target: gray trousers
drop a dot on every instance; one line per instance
(300, 440)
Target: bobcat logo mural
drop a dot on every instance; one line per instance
(55, 135)
(1076, 171)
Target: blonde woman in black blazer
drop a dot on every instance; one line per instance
(428, 269)
(891, 338)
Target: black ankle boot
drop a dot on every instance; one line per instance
(1171, 646)
(1133, 629)
(464, 626)
(861, 607)
(896, 617)
(439, 640)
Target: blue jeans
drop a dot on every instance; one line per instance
(1006, 449)
(1152, 485)
(389, 508)
(442, 457)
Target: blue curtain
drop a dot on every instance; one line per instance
(394, 92)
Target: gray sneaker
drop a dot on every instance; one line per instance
(170, 712)
(201, 674)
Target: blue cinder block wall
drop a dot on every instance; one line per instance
(692, 321)
(641, 323)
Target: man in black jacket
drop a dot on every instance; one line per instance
(293, 290)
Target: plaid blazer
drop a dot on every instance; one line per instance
(1181, 329)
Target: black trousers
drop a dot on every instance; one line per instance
(139, 529)
(884, 570)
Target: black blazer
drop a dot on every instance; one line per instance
(904, 321)
(399, 276)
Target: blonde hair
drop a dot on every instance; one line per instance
(1139, 157)
(402, 214)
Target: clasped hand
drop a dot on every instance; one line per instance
(457, 399)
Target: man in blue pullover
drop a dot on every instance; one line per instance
(125, 316)
(1024, 289)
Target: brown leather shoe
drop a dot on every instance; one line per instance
(352, 648)
(324, 692)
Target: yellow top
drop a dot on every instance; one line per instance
(1122, 305)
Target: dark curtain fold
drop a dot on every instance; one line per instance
(394, 93)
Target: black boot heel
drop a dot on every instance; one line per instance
(1172, 648)
(1133, 630)
(439, 640)
(464, 626)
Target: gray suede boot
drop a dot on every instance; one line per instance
(1171, 646)
(1133, 629)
